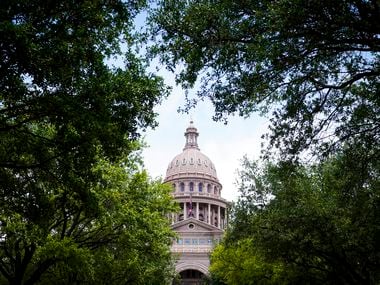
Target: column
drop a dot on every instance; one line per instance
(209, 214)
(219, 217)
(197, 211)
(225, 217)
(184, 211)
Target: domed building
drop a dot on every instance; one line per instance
(203, 216)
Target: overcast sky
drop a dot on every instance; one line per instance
(224, 144)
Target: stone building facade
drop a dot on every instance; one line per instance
(203, 216)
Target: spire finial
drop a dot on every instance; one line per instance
(191, 135)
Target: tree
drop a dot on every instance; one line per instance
(60, 104)
(320, 224)
(313, 64)
(63, 112)
(240, 264)
(120, 236)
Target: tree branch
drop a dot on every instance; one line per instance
(354, 78)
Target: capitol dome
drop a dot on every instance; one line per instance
(191, 162)
(203, 213)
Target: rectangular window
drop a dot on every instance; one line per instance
(195, 241)
(179, 241)
(187, 241)
(202, 241)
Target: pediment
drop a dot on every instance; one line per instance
(198, 226)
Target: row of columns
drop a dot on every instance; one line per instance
(185, 214)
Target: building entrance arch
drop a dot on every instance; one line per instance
(190, 277)
(192, 266)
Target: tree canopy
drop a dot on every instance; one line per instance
(313, 67)
(60, 104)
(300, 224)
(119, 235)
(74, 209)
(313, 64)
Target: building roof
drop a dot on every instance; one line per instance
(191, 162)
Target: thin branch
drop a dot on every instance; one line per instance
(354, 78)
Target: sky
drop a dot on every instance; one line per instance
(224, 144)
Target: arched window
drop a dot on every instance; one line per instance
(215, 190)
(174, 187)
(200, 187)
(182, 187)
(191, 186)
(208, 188)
